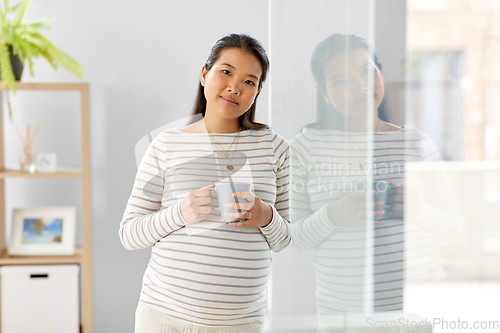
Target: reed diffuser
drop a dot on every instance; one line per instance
(27, 157)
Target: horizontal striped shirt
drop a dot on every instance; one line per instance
(359, 268)
(207, 273)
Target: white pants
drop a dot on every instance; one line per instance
(150, 320)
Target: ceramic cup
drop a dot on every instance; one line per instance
(224, 192)
(384, 191)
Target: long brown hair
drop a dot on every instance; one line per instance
(249, 45)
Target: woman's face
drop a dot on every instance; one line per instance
(231, 85)
(347, 84)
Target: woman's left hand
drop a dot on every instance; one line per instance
(258, 213)
(397, 208)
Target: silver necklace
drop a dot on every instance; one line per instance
(226, 154)
(361, 152)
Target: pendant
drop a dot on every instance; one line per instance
(226, 155)
(230, 167)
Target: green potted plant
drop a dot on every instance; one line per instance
(20, 42)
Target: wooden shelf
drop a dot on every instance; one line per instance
(67, 172)
(6, 259)
(83, 255)
(51, 86)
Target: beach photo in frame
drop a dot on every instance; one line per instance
(43, 231)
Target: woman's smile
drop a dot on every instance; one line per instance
(229, 101)
(364, 99)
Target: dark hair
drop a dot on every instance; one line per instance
(327, 116)
(249, 45)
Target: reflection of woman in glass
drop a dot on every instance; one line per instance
(206, 275)
(363, 250)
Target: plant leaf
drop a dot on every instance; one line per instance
(13, 9)
(20, 12)
(59, 57)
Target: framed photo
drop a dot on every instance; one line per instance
(43, 231)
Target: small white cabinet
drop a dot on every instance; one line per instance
(40, 298)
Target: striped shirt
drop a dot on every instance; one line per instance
(207, 273)
(364, 268)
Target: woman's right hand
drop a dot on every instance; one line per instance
(351, 209)
(194, 205)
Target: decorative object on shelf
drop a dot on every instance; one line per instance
(46, 162)
(27, 157)
(43, 231)
(21, 41)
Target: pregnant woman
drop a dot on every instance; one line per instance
(365, 250)
(207, 275)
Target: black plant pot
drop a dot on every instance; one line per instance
(17, 65)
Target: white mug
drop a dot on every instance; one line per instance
(224, 193)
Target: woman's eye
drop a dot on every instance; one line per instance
(250, 82)
(225, 71)
(368, 71)
(339, 82)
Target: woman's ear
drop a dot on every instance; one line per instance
(323, 94)
(258, 92)
(203, 74)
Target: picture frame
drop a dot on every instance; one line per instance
(43, 231)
